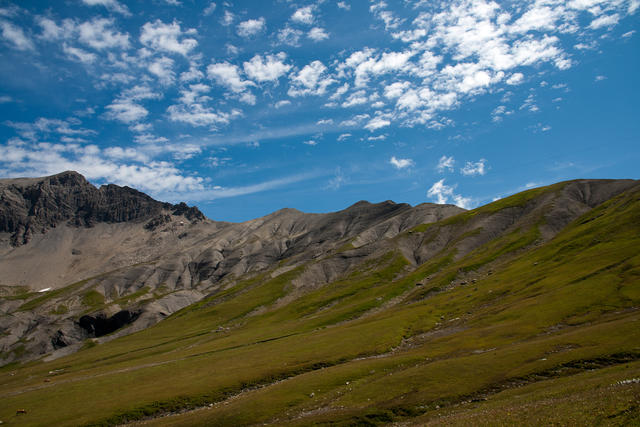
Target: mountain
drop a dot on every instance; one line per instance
(374, 314)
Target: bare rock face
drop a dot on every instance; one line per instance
(29, 206)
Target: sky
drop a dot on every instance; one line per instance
(246, 107)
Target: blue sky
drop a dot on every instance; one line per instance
(246, 107)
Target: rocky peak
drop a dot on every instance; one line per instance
(34, 205)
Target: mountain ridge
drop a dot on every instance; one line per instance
(386, 281)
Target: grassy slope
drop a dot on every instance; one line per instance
(515, 334)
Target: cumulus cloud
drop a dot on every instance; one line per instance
(227, 18)
(78, 54)
(474, 168)
(604, 21)
(251, 27)
(209, 9)
(400, 163)
(377, 123)
(443, 193)
(126, 107)
(440, 192)
(100, 34)
(15, 36)
(515, 79)
(289, 36)
(391, 22)
(167, 37)
(228, 75)
(311, 80)
(303, 15)
(196, 115)
(445, 163)
(125, 111)
(267, 68)
(162, 68)
(317, 34)
(282, 103)
(112, 5)
(343, 5)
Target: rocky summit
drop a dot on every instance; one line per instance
(378, 313)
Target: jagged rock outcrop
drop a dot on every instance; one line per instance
(29, 205)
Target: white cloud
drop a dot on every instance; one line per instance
(390, 21)
(125, 111)
(339, 92)
(267, 68)
(282, 103)
(78, 54)
(222, 192)
(604, 21)
(462, 202)
(318, 34)
(344, 136)
(377, 123)
(289, 36)
(499, 112)
(600, 78)
(251, 27)
(127, 153)
(112, 165)
(343, 5)
(445, 163)
(356, 98)
(228, 75)
(196, 114)
(192, 74)
(530, 104)
(355, 120)
(227, 18)
(311, 142)
(99, 34)
(401, 163)
(167, 37)
(311, 80)
(515, 79)
(304, 15)
(126, 107)
(628, 34)
(338, 180)
(365, 64)
(162, 68)
(15, 36)
(474, 168)
(139, 93)
(323, 122)
(112, 5)
(209, 9)
(442, 193)
(395, 90)
(45, 128)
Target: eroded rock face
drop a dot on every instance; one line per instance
(35, 205)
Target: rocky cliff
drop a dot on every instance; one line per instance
(35, 205)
